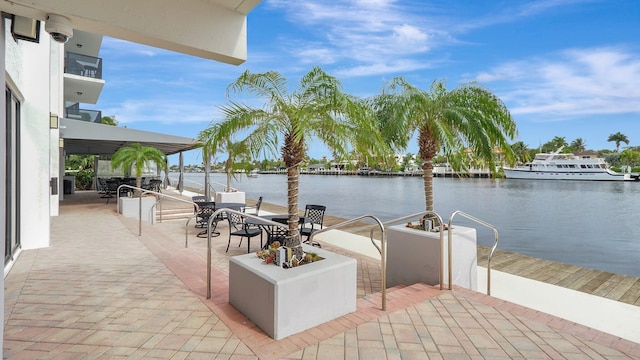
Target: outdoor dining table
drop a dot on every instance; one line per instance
(271, 228)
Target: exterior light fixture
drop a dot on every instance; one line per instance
(61, 142)
(24, 28)
(53, 121)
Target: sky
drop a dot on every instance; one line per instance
(567, 68)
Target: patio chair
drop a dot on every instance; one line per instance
(239, 227)
(313, 219)
(206, 209)
(202, 215)
(254, 210)
(198, 200)
(112, 189)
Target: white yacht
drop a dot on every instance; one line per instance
(557, 166)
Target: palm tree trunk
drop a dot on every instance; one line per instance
(138, 185)
(293, 239)
(427, 179)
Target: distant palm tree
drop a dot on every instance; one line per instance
(630, 157)
(211, 143)
(578, 145)
(317, 108)
(618, 138)
(469, 117)
(136, 155)
(555, 144)
(521, 152)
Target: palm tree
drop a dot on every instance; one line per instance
(578, 145)
(211, 144)
(618, 138)
(136, 155)
(521, 152)
(468, 117)
(318, 108)
(554, 144)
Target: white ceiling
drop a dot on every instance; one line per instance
(213, 29)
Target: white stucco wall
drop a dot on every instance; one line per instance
(28, 66)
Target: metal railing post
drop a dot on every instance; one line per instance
(493, 248)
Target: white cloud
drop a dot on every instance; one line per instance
(574, 82)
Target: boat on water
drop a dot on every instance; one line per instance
(253, 173)
(565, 166)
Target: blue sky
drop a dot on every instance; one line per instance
(564, 67)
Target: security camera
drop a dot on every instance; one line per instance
(59, 27)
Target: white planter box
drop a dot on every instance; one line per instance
(230, 197)
(128, 207)
(414, 256)
(284, 302)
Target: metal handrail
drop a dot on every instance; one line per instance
(422, 214)
(143, 192)
(224, 186)
(493, 248)
(210, 221)
(383, 251)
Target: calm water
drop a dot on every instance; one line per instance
(590, 224)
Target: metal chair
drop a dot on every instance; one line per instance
(203, 211)
(239, 227)
(254, 210)
(112, 189)
(206, 209)
(313, 219)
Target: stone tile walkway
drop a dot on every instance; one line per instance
(102, 292)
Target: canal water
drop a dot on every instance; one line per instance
(585, 223)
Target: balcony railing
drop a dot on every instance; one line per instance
(83, 65)
(75, 113)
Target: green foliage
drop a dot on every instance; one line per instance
(136, 156)
(469, 118)
(618, 138)
(555, 144)
(109, 120)
(316, 109)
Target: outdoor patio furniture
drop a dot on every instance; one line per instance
(203, 211)
(254, 210)
(112, 189)
(206, 209)
(314, 217)
(274, 232)
(239, 227)
(155, 185)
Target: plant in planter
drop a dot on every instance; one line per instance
(316, 109)
(136, 156)
(270, 255)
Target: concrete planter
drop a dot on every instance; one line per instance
(128, 207)
(414, 256)
(230, 197)
(284, 302)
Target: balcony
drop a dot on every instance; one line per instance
(82, 78)
(74, 112)
(83, 65)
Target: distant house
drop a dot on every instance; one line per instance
(586, 154)
(315, 167)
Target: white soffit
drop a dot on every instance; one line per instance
(212, 29)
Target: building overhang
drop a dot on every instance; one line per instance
(86, 138)
(212, 29)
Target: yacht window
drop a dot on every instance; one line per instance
(572, 166)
